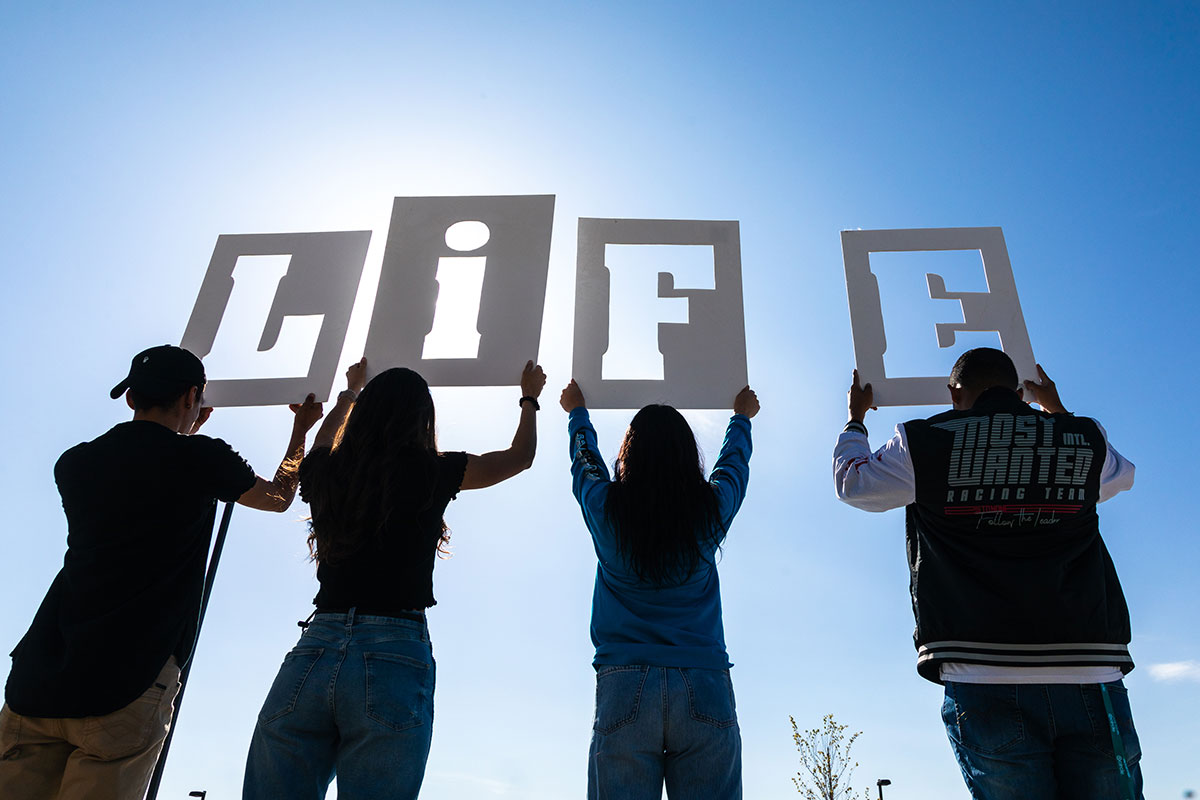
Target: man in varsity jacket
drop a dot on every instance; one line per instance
(1018, 608)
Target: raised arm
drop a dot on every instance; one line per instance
(731, 474)
(1117, 473)
(356, 378)
(589, 476)
(277, 494)
(871, 481)
(500, 465)
(1044, 392)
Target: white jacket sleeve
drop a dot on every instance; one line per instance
(1117, 473)
(873, 481)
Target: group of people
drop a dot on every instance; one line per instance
(1019, 612)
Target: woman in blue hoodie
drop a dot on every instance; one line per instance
(664, 700)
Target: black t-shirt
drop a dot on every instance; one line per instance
(391, 571)
(140, 502)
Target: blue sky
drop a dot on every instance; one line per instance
(132, 137)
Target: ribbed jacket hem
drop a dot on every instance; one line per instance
(931, 655)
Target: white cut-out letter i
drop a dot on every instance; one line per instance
(455, 331)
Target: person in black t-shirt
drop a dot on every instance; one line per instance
(355, 696)
(89, 698)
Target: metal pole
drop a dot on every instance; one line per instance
(210, 576)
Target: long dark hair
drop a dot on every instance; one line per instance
(382, 466)
(663, 511)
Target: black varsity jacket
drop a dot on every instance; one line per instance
(1006, 562)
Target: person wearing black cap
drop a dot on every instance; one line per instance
(89, 698)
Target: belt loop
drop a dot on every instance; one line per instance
(350, 616)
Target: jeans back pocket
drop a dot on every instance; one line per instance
(984, 718)
(1102, 741)
(710, 696)
(285, 691)
(399, 690)
(618, 695)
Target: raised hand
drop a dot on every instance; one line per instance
(533, 380)
(307, 413)
(746, 402)
(205, 413)
(356, 375)
(1044, 393)
(571, 397)
(860, 399)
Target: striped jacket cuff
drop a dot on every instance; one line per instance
(1027, 655)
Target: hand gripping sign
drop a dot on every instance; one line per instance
(997, 309)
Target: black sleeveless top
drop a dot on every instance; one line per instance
(393, 571)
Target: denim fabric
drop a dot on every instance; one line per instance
(656, 724)
(354, 698)
(1040, 741)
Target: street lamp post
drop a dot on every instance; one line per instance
(882, 782)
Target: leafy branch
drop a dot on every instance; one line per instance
(825, 765)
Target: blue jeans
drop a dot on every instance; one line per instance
(656, 724)
(1040, 741)
(354, 698)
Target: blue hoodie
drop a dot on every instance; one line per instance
(635, 622)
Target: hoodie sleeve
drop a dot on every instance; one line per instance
(731, 475)
(589, 476)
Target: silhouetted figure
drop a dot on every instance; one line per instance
(89, 698)
(664, 699)
(354, 697)
(1018, 608)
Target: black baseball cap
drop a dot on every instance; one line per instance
(160, 371)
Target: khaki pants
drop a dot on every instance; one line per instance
(97, 758)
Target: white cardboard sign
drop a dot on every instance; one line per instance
(499, 247)
(460, 299)
(321, 280)
(704, 357)
(998, 309)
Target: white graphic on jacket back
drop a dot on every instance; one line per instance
(1008, 471)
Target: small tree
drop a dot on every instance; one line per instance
(825, 765)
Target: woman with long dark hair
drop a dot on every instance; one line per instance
(664, 699)
(355, 696)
